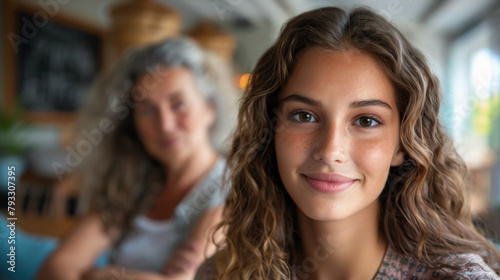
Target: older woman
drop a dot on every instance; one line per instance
(155, 176)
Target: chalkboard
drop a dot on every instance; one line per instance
(50, 60)
(55, 67)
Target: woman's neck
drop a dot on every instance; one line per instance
(180, 181)
(185, 174)
(349, 249)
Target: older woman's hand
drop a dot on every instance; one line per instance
(110, 272)
(185, 260)
(120, 273)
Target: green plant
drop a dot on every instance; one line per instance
(12, 128)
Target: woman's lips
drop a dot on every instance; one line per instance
(328, 183)
(167, 143)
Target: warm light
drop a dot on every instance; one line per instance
(244, 81)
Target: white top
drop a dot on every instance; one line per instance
(154, 242)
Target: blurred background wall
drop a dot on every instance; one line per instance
(459, 37)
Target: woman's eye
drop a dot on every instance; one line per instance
(366, 122)
(179, 105)
(304, 117)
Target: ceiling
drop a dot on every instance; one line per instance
(256, 23)
(443, 17)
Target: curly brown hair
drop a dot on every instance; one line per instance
(424, 213)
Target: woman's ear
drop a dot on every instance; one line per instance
(398, 158)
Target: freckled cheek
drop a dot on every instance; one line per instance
(373, 156)
(291, 148)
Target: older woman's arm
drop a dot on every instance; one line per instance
(199, 246)
(185, 261)
(78, 250)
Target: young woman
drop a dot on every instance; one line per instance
(340, 166)
(155, 177)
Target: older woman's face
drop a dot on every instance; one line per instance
(338, 134)
(171, 116)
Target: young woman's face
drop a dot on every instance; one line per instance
(172, 119)
(337, 133)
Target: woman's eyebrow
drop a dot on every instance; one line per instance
(370, 102)
(302, 99)
(355, 104)
(173, 96)
(176, 95)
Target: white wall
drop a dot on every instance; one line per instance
(252, 44)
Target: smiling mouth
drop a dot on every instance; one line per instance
(328, 183)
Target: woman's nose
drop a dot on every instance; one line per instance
(331, 145)
(168, 121)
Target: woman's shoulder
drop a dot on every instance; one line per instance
(472, 266)
(210, 192)
(399, 266)
(215, 175)
(214, 186)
